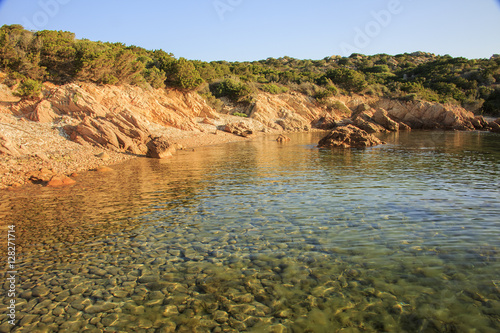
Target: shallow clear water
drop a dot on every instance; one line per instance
(267, 237)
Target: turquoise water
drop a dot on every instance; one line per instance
(266, 237)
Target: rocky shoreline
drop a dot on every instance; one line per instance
(47, 153)
(77, 127)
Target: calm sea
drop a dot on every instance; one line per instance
(266, 237)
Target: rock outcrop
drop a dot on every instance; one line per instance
(349, 136)
(123, 132)
(160, 147)
(364, 121)
(50, 178)
(240, 129)
(282, 138)
(291, 112)
(122, 118)
(427, 115)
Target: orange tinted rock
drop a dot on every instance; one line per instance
(68, 181)
(42, 175)
(55, 181)
(160, 147)
(349, 136)
(60, 180)
(282, 138)
(43, 113)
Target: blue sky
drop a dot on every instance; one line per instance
(239, 30)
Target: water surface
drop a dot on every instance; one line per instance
(267, 237)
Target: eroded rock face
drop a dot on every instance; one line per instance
(365, 122)
(427, 115)
(43, 113)
(349, 136)
(381, 116)
(160, 147)
(122, 132)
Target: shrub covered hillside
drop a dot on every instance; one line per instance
(30, 58)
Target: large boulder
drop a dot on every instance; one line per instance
(494, 126)
(41, 176)
(349, 136)
(160, 147)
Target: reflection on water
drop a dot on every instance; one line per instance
(267, 237)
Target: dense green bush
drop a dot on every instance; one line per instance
(492, 104)
(29, 88)
(234, 90)
(183, 74)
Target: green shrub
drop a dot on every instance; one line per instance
(29, 89)
(183, 74)
(239, 114)
(409, 98)
(323, 94)
(234, 90)
(155, 77)
(273, 89)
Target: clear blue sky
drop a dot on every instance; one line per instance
(239, 30)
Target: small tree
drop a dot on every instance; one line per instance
(182, 73)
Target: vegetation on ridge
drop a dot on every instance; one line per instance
(30, 58)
